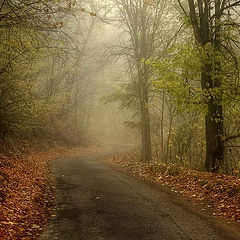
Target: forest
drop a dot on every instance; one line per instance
(160, 75)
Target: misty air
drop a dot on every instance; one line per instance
(119, 120)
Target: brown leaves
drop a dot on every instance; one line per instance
(220, 193)
(93, 14)
(29, 180)
(27, 191)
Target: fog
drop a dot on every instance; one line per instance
(131, 71)
(109, 93)
(100, 71)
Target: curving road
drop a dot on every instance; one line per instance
(96, 201)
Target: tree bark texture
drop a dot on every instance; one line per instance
(214, 116)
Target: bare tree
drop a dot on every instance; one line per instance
(143, 23)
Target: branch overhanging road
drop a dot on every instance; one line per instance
(97, 201)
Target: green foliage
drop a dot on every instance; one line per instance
(27, 44)
(179, 74)
(125, 96)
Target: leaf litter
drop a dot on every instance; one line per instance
(27, 191)
(217, 192)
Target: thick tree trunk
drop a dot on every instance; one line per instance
(213, 124)
(214, 116)
(214, 132)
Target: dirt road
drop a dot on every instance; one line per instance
(97, 201)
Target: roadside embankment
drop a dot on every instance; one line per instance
(27, 186)
(215, 193)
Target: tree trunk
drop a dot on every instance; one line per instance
(214, 145)
(146, 134)
(214, 116)
(143, 76)
(164, 159)
(213, 124)
(145, 118)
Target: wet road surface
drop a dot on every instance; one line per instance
(97, 201)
